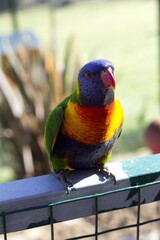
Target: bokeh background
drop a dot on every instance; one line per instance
(42, 46)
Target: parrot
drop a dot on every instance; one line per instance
(81, 131)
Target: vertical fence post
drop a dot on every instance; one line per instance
(4, 226)
(51, 223)
(96, 218)
(138, 213)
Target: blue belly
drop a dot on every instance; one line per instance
(79, 155)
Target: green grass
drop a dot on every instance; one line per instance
(122, 31)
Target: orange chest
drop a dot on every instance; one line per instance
(91, 125)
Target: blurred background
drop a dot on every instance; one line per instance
(43, 44)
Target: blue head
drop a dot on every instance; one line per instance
(96, 83)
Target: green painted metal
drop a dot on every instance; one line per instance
(144, 166)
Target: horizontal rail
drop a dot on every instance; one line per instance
(35, 201)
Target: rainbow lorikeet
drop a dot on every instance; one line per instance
(81, 131)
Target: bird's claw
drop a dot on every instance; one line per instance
(63, 175)
(106, 172)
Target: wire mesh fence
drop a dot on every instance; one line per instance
(96, 198)
(79, 204)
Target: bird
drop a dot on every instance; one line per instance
(80, 131)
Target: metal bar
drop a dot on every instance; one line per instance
(4, 226)
(7, 213)
(51, 223)
(138, 214)
(82, 237)
(96, 218)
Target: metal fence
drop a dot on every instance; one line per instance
(42, 200)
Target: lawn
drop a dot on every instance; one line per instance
(126, 32)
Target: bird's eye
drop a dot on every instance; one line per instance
(88, 75)
(110, 69)
(104, 70)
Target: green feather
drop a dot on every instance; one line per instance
(53, 125)
(75, 97)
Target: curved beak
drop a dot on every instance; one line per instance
(107, 78)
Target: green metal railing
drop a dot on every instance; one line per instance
(135, 194)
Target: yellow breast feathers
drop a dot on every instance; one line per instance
(92, 125)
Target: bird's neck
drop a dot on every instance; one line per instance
(109, 97)
(101, 100)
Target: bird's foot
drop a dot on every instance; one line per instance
(63, 175)
(106, 172)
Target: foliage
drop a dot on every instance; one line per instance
(30, 83)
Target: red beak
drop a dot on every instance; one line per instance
(107, 78)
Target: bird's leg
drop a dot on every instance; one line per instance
(106, 172)
(63, 175)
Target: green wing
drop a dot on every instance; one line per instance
(53, 125)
